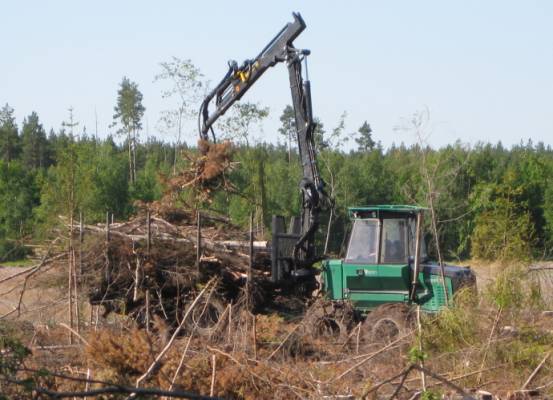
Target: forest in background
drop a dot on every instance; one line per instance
(491, 202)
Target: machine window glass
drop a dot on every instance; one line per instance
(394, 241)
(363, 242)
(424, 254)
(412, 240)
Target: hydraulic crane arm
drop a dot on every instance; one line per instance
(239, 79)
(232, 87)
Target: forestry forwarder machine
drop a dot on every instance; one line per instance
(385, 270)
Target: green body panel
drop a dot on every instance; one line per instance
(379, 262)
(332, 279)
(368, 286)
(433, 298)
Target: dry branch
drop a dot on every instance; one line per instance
(446, 382)
(535, 372)
(162, 353)
(28, 274)
(75, 333)
(371, 356)
(177, 394)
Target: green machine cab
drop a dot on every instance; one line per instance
(386, 262)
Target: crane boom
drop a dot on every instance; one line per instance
(239, 79)
(293, 252)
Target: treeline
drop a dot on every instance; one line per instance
(491, 202)
(487, 201)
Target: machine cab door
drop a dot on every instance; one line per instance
(361, 262)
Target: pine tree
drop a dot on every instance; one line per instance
(34, 145)
(365, 141)
(9, 139)
(129, 112)
(18, 197)
(288, 128)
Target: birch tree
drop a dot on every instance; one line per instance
(185, 89)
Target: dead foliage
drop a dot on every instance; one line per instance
(126, 275)
(121, 354)
(273, 356)
(270, 344)
(206, 172)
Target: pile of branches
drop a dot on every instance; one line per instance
(206, 174)
(144, 269)
(473, 350)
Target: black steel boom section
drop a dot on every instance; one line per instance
(232, 87)
(239, 79)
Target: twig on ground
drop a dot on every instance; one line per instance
(34, 268)
(382, 350)
(181, 362)
(213, 369)
(284, 341)
(162, 353)
(401, 383)
(490, 337)
(384, 382)
(179, 394)
(29, 273)
(75, 333)
(446, 382)
(262, 379)
(535, 372)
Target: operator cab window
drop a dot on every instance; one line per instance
(363, 242)
(395, 244)
(412, 239)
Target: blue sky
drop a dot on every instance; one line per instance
(484, 69)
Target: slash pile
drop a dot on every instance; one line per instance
(137, 268)
(207, 171)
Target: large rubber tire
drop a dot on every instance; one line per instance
(328, 320)
(386, 323)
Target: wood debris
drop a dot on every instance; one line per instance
(125, 261)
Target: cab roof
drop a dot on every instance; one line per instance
(377, 210)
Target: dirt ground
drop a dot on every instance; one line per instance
(268, 366)
(43, 300)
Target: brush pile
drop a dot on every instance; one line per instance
(207, 172)
(497, 344)
(143, 269)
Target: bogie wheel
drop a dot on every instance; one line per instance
(387, 323)
(329, 320)
(204, 317)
